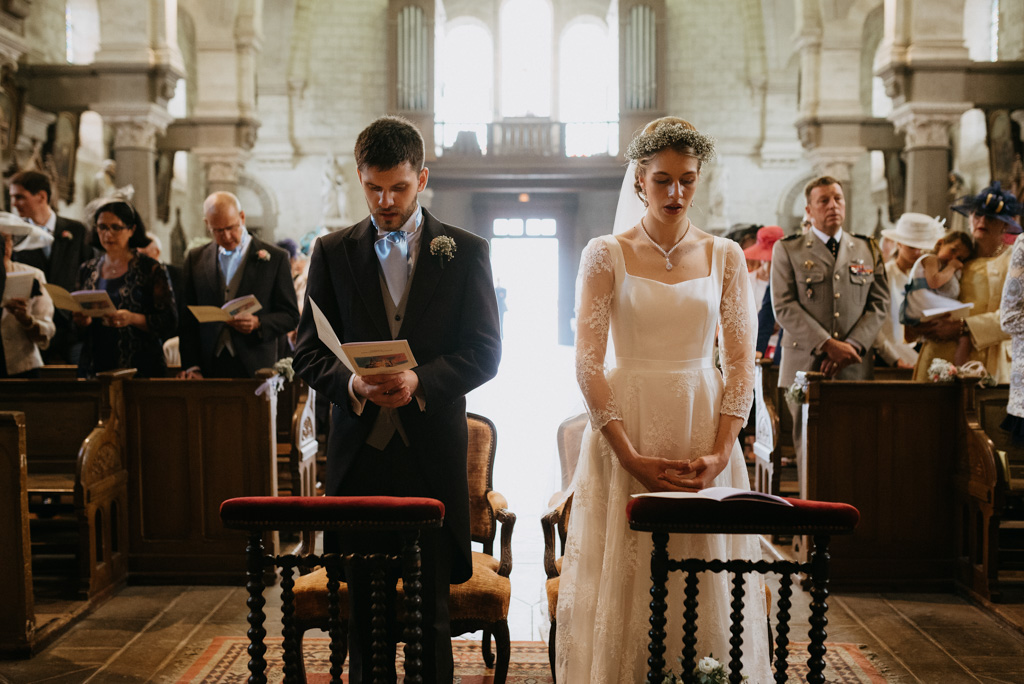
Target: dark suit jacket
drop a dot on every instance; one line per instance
(270, 280)
(70, 250)
(451, 323)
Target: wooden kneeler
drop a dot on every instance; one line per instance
(404, 515)
(665, 516)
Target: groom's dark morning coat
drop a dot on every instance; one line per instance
(451, 323)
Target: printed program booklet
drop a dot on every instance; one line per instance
(236, 307)
(958, 312)
(364, 358)
(88, 302)
(718, 494)
(19, 285)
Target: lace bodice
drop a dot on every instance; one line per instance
(659, 326)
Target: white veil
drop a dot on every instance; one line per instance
(630, 209)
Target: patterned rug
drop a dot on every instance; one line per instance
(225, 661)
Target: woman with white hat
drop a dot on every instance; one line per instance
(26, 321)
(913, 234)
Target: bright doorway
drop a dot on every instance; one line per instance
(524, 259)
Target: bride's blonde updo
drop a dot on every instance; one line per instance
(667, 132)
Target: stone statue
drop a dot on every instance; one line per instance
(333, 193)
(717, 219)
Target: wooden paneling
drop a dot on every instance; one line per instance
(191, 445)
(890, 449)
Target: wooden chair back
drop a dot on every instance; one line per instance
(483, 438)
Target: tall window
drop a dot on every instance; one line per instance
(82, 30)
(588, 88)
(994, 36)
(466, 83)
(526, 28)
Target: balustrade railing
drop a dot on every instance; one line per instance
(527, 138)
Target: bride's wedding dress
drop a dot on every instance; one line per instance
(669, 394)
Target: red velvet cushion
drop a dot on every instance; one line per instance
(741, 517)
(331, 512)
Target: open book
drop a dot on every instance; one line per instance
(364, 358)
(957, 311)
(718, 494)
(247, 304)
(19, 285)
(88, 302)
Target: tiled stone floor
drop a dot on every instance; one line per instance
(150, 634)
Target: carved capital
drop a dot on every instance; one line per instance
(222, 172)
(837, 162)
(135, 135)
(927, 124)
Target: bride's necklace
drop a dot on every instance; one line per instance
(666, 254)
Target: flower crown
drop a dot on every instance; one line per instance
(671, 135)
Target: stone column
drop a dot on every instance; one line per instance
(927, 127)
(135, 133)
(838, 162)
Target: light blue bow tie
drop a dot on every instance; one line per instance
(393, 253)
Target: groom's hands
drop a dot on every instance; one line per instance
(387, 391)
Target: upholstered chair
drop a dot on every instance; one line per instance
(482, 603)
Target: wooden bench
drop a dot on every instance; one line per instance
(767, 451)
(76, 481)
(192, 444)
(18, 619)
(890, 449)
(989, 497)
(297, 445)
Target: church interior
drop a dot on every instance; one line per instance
(526, 108)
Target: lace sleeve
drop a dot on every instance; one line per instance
(736, 342)
(1012, 305)
(597, 281)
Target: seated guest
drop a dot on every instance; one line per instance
(26, 324)
(235, 264)
(140, 289)
(913, 234)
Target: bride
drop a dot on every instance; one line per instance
(664, 418)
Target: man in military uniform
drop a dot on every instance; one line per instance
(830, 295)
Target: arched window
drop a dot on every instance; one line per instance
(588, 88)
(526, 28)
(465, 100)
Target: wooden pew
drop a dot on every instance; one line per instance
(767, 454)
(989, 496)
(890, 449)
(18, 619)
(191, 445)
(296, 439)
(77, 482)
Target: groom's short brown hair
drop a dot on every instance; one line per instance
(387, 142)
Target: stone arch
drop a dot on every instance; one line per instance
(260, 206)
(785, 215)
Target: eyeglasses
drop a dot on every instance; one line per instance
(111, 227)
(226, 229)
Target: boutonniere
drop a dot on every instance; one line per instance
(443, 247)
(263, 255)
(66, 234)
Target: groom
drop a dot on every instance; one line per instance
(402, 274)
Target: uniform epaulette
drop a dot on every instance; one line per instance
(794, 236)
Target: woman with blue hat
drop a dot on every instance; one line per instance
(993, 214)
